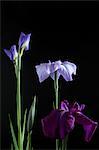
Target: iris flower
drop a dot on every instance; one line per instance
(23, 44)
(66, 69)
(61, 122)
(24, 41)
(12, 53)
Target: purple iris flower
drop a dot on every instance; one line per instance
(24, 41)
(66, 69)
(62, 121)
(12, 53)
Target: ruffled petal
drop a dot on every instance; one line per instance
(43, 71)
(89, 125)
(50, 124)
(67, 69)
(71, 67)
(66, 124)
(65, 73)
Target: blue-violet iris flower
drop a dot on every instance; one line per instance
(24, 41)
(23, 44)
(66, 69)
(61, 122)
(12, 53)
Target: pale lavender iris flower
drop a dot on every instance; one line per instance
(24, 41)
(12, 53)
(61, 122)
(66, 69)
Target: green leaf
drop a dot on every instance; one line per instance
(31, 115)
(23, 133)
(53, 105)
(28, 146)
(11, 146)
(13, 134)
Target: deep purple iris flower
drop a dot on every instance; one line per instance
(24, 41)
(62, 121)
(12, 53)
(66, 69)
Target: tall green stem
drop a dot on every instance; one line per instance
(56, 101)
(60, 144)
(18, 101)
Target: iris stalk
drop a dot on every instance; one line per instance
(60, 145)
(18, 101)
(57, 101)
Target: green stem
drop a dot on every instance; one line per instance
(56, 102)
(29, 146)
(56, 90)
(64, 143)
(18, 99)
(60, 144)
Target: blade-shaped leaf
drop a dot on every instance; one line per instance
(53, 105)
(13, 134)
(11, 146)
(31, 115)
(28, 146)
(23, 133)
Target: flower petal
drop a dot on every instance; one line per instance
(89, 126)
(8, 53)
(67, 69)
(71, 67)
(64, 105)
(66, 124)
(50, 124)
(24, 41)
(12, 53)
(52, 75)
(54, 67)
(43, 71)
(75, 107)
(65, 73)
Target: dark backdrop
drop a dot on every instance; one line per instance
(59, 30)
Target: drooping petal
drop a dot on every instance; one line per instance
(71, 67)
(66, 124)
(24, 41)
(43, 71)
(50, 124)
(57, 124)
(12, 53)
(65, 73)
(89, 125)
(67, 69)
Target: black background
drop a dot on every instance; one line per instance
(59, 30)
